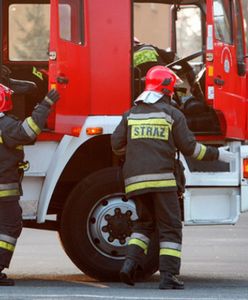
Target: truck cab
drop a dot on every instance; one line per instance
(84, 49)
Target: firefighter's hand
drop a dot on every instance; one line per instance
(52, 96)
(225, 155)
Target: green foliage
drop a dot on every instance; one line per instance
(32, 42)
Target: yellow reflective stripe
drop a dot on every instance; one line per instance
(149, 177)
(24, 165)
(149, 122)
(170, 252)
(7, 193)
(139, 243)
(1, 140)
(7, 246)
(37, 73)
(19, 147)
(143, 56)
(150, 184)
(202, 152)
(33, 125)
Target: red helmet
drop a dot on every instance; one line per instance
(5, 98)
(161, 79)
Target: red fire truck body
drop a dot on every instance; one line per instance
(74, 184)
(103, 62)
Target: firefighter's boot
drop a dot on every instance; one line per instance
(4, 280)
(128, 270)
(169, 281)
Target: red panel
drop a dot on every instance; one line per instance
(109, 43)
(230, 98)
(72, 63)
(98, 71)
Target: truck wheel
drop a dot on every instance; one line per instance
(96, 223)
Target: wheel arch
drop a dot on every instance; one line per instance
(91, 156)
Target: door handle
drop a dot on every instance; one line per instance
(62, 80)
(219, 82)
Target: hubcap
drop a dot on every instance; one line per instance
(109, 225)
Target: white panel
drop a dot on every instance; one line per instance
(244, 181)
(39, 156)
(227, 179)
(211, 205)
(31, 193)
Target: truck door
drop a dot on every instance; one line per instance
(226, 75)
(90, 59)
(24, 51)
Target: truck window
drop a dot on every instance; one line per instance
(158, 34)
(28, 42)
(71, 21)
(188, 31)
(239, 40)
(245, 14)
(223, 21)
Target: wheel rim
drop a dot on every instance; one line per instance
(109, 225)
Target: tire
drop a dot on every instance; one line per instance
(96, 223)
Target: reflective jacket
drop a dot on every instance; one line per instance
(149, 135)
(13, 135)
(147, 56)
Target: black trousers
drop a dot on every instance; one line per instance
(10, 228)
(161, 210)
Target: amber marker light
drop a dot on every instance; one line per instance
(75, 131)
(245, 168)
(94, 130)
(53, 85)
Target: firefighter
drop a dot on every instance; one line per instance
(149, 135)
(146, 56)
(13, 135)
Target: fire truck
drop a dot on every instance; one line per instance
(84, 49)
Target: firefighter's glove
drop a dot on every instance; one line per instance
(52, 96)
(225, 155)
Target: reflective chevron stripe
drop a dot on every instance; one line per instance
(139, 240)
(170, 248)
(149, 181)
(199, 151)
(31, 128)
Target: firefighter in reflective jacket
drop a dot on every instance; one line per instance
(146, 56)
(13, 135)
(149, 135)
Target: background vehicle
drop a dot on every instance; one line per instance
(84, 49)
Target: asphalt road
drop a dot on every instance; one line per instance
(214, 266)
